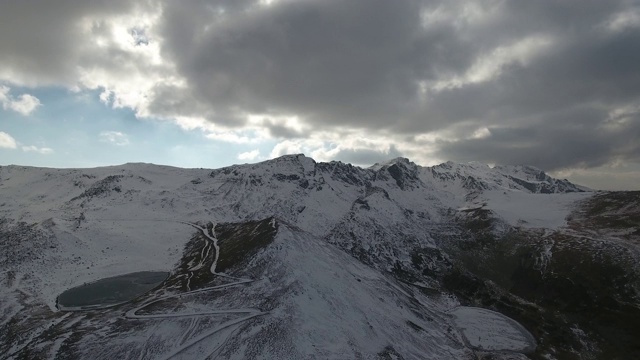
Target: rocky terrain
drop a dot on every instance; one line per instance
(291, 258)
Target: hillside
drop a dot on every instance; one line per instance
(292, 258)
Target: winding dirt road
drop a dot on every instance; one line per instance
(212, 242)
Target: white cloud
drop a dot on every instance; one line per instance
(111, 48)
(7, 141)
(130, 79)
(235, 137)
(24, 104)
(114, 137)
(39, 150)
(249, 155)
(481, 133)
(627, 19)
(354, 147)
(461, 14)
(621, 116)
(490, 65)
(300, 146)
(278, 125)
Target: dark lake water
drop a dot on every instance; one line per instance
(110, 291)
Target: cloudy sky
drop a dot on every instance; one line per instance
(200, 83)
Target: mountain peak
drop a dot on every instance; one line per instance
(291, 157)
(394, 161)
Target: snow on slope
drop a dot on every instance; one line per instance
(332, 307)
(110, 233)
(109, 221)
(533, 210)
(305, 298)
(488, 330)
(120, 219)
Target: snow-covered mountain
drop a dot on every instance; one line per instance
(291, 258)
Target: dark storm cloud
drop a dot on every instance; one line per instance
(281, 131)
(359, 63)
(39, 40)
(575, 138)
(333, 61)
(553, 113)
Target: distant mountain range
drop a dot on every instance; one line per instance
(297, 259)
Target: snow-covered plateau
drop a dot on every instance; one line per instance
(297, 259)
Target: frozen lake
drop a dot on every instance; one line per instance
(110, 291)
(489, 330)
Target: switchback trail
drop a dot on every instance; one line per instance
(212, 242)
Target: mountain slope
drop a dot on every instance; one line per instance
(326, 260)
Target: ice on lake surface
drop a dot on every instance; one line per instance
(110, 291)
(489, 330)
